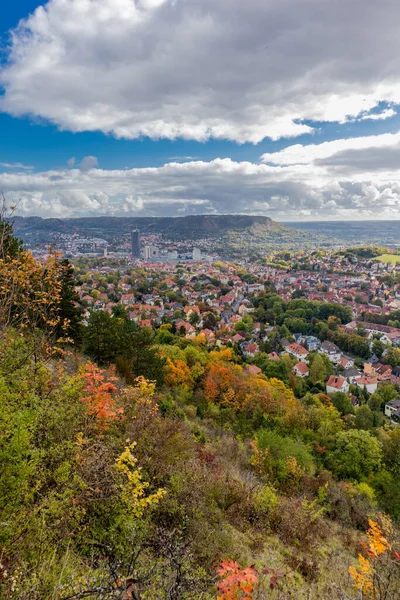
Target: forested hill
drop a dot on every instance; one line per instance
(141, 464)
(226, 231)
(190, 225)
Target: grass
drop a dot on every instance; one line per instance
(388, 258)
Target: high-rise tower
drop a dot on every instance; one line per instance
(135, 241)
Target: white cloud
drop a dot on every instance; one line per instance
(344, 179)
(88, 162)
(16, 165)
(199, 68)
(299, 154)
(382, 116)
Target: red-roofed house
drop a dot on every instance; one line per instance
(128, 299)
(297, 351)
(346, 362)
(367, 383)
(301, 369)
(250, 349)
(337, 384)
(383, 372)
(253, 369)
(209, 335)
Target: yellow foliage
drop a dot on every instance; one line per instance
(178, 374)
(133, 490)
(200, 339)
(30, 293)
(362, 576)
(377, 543)
(258, 458)
(225, 354)
(293, 469)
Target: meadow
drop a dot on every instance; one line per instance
(388, 258)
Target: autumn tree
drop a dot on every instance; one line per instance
(377, 573)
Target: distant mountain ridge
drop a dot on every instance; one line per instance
(236, 233)
(193, 223)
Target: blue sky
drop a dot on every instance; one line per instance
(124, 82)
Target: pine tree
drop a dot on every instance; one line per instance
(69, 309)
(10, 245)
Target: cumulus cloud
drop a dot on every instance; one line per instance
(300, 154)
(198, 69)
(88, 162)
(343, 179)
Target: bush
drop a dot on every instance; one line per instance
(284, 458)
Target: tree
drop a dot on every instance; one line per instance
(194, 318)
(69, 309)
(145, 359)
(378, 348)
(364, 418)
(10, 245)
(391, 450)
(357, 454)
(209, 320)
(100, 401)
(100, 340)
(30, 296)
(317, 369)
(392, 357)
(343, 403)
(376, 575)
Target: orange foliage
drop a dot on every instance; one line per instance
(241, 584)
(364, 575)
(178, 373)
(236, 582)
(229, 385)
(100, 401)
(223, 384)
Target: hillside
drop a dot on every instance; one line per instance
(227, 232)
(140, 464)
(190, 225)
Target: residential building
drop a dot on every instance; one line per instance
(336, 383)
(297, 350)
(331, 351)
(301, 369)
(392, 410)
(370, 384)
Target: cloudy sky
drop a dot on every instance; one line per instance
(288, 108)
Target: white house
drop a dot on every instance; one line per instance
(301, 369)
(331, 351)
(298, 351)
(336, 383)
(392, 410)
(346, 362)
(367, 383)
